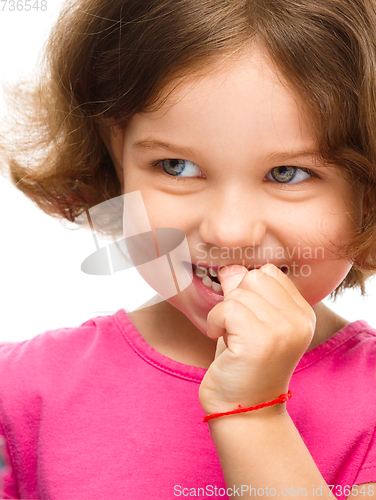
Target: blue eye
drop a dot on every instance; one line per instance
(179, 168)
(287, 174)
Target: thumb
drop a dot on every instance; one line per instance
(230, 277)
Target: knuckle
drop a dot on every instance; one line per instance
(235, 293)
(214, 312)
(230, 305)
(312, 316)
(269, 267)
(257, 272)
(305, 325)
(252, 276)
(272, 270)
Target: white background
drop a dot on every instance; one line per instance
(41, 284)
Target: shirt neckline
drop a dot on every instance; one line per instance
(196, 374)
(332, 343)
(153, 357)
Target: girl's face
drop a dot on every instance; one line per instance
(238, 174)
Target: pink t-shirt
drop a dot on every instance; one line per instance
(95, 412)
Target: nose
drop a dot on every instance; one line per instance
(233, 219)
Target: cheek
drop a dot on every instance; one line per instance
(164, 209)
(330, 223)
(344, 214)
(157, 247)
(320, 237)
(321, 278)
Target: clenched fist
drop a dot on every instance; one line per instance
(263, 327)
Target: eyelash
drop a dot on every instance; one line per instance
(175, 178)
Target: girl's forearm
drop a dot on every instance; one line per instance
(263, 449)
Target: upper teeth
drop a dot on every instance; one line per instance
(205, 270)
(203, 273)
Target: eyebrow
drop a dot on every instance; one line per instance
(187, 151)
(156, 144)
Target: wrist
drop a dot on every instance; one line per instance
(261, 427)
(279, 403)
(270, 413)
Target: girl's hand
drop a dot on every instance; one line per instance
(263, 327)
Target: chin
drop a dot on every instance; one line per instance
(199, 322)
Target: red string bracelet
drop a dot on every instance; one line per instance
(281, 399)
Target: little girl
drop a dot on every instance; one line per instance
(250, 127)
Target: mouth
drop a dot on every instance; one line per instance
(209, 277)
(212, 272)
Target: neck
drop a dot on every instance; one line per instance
(327, 324)
(172, 334)
(156, 322)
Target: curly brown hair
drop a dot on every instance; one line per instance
(107, 60)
